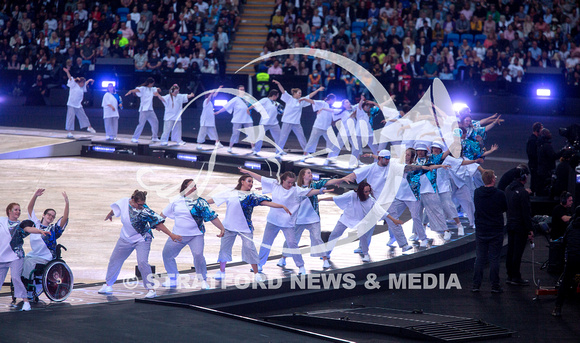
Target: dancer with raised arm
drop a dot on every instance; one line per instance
(309, 216)
(146, 114)
(288, 194)
(172, 118)
(189, 213)
(44, 246)
(12, 234)
(78, 86)
(355, 205)
(238, 222)
(269, 122)
(138, 220)
(291, 117)
(207, 122)
(322, 123)
(240, 116)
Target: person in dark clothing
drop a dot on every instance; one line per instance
(490, 204)
(572, 243)
(565, 175)
(519, 228)
(546, 162)
(561, 216)
(510, 176)
(532, 151)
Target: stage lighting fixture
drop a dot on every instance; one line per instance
(458, 106)
(219, 103)
(337, 104)
(315, 176)
(105, 84)
(186, 157)
(543, 92)
(253, 165)
(106, 149)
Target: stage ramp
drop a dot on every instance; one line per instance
(24, 146)
(411, 324)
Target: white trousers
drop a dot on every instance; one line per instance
(270, 233)
(173, 128)
(315, 135)
(71, 113)
(285, 132)
(339, 228)
(111, 127)
(317, 246)
(209, 131)
(249, 252)
(122, 250)
(144, 117)
(274, 131)
(172, 249)
(236, 132)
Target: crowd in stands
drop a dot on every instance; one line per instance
(161, 36)
(496, 40)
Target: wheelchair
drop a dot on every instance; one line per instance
(55, 279)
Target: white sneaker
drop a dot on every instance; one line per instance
(302, 271)
(219, 145)
(325, 264)
(392, 242)
(406, 247)
(259, 278)
(366, 258)
(219, 275)
(230, 150)
(358, 251)
(91, 130)
(26, 307)
(133, 140)
(164, 143)
(154, 139)
(447, 235)
(281, 262)
(205, 285)
(199, 147)
(424, 243)
(254, 153)
(413, 238)
(182, 143)
(70, 135)
(460, 230)
(151, 294)
(106, 289)
(326, 162)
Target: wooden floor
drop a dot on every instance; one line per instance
(93, 184)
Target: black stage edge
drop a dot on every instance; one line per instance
(452, 257)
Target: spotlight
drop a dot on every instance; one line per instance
(219, 103)
(543, 92)
(337, 104)
(105, 84)
(315, 176)
(186, 157)
(253, 165)
(458, 106)
(106, 149)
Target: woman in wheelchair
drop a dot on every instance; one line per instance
(138, 220)
(12, 233)
(43, 247)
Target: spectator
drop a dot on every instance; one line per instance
(430, 69)
(141, 60)
(275, 69)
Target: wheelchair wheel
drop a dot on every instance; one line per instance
(57, 280)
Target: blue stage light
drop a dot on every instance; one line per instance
(219, 102)
(458, 106)
(337, 104)
(105, 84)
(543, 92)
(253, 165)
(106, 149)
(186, 157)
(315, 176)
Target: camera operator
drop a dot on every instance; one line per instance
(565, 175)
(546, 162)
(561, 215)
(532, 151)
(519, 227)
(572, 243)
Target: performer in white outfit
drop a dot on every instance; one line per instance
(364, 130)
(44, 246)
(172, 118)
(288, 194)
(78, 86)
(269, 121)
(189, 213)
(344, 119)
(240, 116)
(207, 122)
(138, 220)
(321, 125)
(238, 222)
(110, 105)
(146, 114)
(291, 117)
(355, 205)
(12, 234)
(309, 216)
